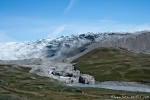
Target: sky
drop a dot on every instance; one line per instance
(26, 20)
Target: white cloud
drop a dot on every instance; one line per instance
(5, 38)
(69, 6)
(59, 30)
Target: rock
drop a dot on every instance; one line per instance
(64, 72)
(14, 66)
(33, 78)
(40, 71)
(58, 73)
(67, 71)
(86, 79)
(72, 80)
(40, 87)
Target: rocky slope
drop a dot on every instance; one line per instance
(138, 44)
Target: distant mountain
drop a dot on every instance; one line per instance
(56, 49)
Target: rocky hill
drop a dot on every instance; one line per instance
(138, 44)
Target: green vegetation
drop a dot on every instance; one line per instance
(110, 64)
(16, 83)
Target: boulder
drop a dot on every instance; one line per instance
(72, 80)
(86, 79)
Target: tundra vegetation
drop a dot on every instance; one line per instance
(112, 64)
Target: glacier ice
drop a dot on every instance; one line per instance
(54, 48)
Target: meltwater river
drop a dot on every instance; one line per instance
(114, 87)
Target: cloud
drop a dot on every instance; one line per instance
(69, 6)
(5, 38)
(59, 30)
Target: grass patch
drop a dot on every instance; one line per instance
(19, 82)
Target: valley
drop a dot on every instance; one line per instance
(47, 69)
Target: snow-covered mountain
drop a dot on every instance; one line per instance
(55, 49)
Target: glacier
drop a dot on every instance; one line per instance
(55, 48)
